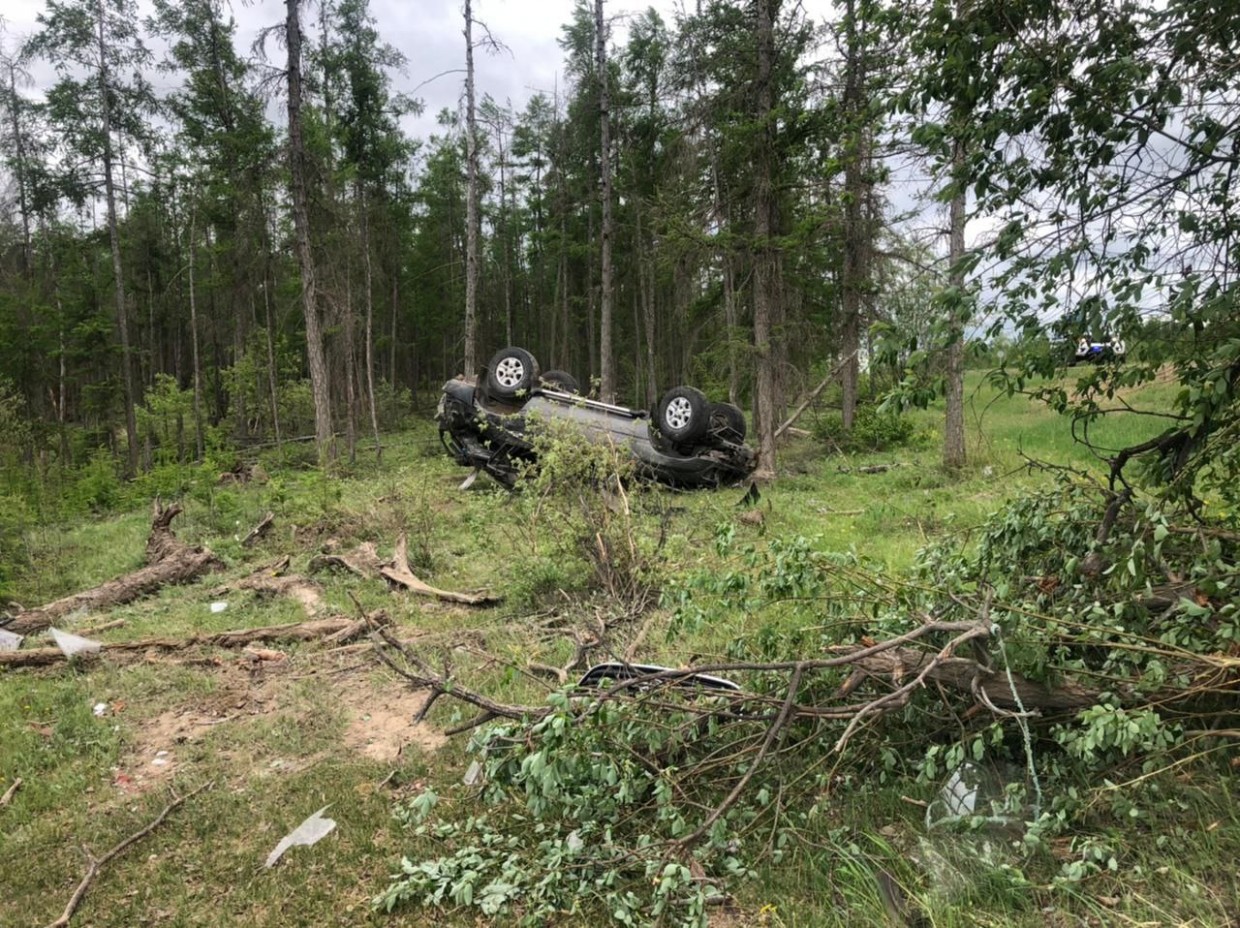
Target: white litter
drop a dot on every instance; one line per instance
(219, 606)
(74, 644)
(100, 709)
(9, 641)
(309, 832)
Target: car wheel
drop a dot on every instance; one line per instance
(683, 415)
(560, 380)
(728, 422)
(512, 372)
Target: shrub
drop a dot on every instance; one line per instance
(872, 431)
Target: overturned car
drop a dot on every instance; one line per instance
(491, 423)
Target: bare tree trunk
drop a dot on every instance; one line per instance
(364, 206)
(471, 198)
(199, 445)
(953, 433)
(350, 364)
(19, 167)
(765, 283)
(645, 270)
(607, 373)
(856, 243)
(114, 238)
(320, 385)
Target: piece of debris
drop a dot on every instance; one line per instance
(400, 573)
(9, 641)
(169, 561)
(73, 645)
(310, 832)
(259, 530)
(218, 607)
(265, 654)
(752, 517)
(10, 792)
(99, 710)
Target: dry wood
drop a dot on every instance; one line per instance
(363, 561)
(259, 530)
(814, 394)
(97, 864)
(169, 561)
(10, 792)
(399, 572)
(270, 580)
(335, 630)
(969, 676)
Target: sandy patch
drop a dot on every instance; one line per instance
(381, 722)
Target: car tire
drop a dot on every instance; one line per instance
(683, 415)
(560, 380)
(727, 422)
(512, 373)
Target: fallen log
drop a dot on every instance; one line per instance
(968, 676)
(814, 394)
(400, 573)
(334, 631)
(169, 562)
(364, 561)
(272, 581)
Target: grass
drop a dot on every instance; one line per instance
(279, 741)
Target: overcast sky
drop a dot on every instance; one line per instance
(429, 34)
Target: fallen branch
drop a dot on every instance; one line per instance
(363, 561)
(97, 864)
(400, 573)
(259, 530)
(814, 394)
(10, 792)
(440, 683)
(272, 581)
(169, 561)
(969, 676)
(336, 630)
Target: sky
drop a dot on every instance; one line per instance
(429, 34)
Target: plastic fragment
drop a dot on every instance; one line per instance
(473, 774)
(309, 832)
(100, 709)
(74, 644)
(9, 641)
(219, 606)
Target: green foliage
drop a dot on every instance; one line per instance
(874, 429)
(576, 818)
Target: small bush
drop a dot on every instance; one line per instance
(872, 431)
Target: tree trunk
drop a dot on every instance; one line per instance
(765, 283)
(199, 445)
(364, 206)
(316, 356)
(471, 198)
(607, 373)
(19, 168)
(114, 239)
(856, 232)
(953, 433)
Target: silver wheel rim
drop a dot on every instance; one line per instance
(678, 413)
(509, 372)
